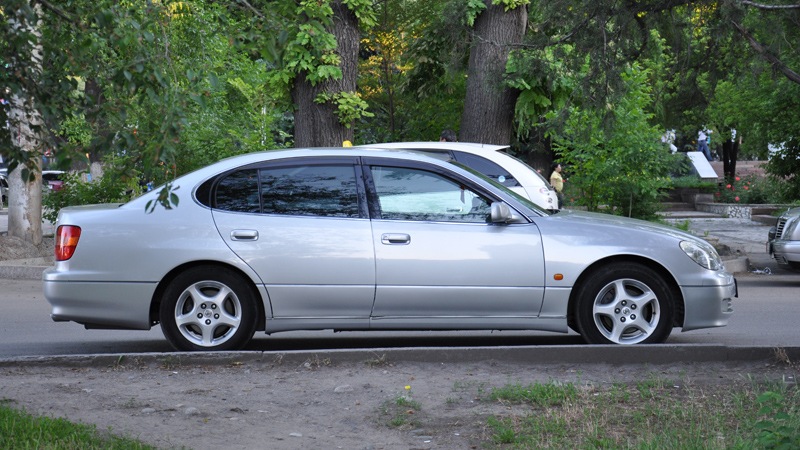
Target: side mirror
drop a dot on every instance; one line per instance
(502, 213)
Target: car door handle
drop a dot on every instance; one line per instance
(244, 235)
(395, 238)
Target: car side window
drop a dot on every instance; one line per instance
(323, 190)
(486, 167)
(413, 194)
(238, 192)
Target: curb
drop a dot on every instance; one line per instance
(538, 355)
(24, 269)
(737, 266)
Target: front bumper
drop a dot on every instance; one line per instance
(709, 306)
(784, 252)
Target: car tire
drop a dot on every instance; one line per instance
(208, 308)
(625, 303)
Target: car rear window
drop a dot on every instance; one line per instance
(486, 167)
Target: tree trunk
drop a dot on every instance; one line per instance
(26, 128)
(488, 115)
(316, 124)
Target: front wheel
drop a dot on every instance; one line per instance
(624, 304)
(208, 308)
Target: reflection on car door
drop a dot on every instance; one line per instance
(305, 235)
(439, 260)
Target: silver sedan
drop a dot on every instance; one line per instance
(369, 239)
(784, 240)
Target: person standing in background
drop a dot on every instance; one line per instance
(557, 181)
(702, 143)
(448, 136)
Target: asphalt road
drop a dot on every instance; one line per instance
(766, 315)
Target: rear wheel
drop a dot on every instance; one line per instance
(624, 304)
(208, 308)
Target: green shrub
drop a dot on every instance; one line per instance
(694, 182)
(112, 187)
(752, 189)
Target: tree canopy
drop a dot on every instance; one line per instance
(166, 86)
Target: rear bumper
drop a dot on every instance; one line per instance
(100, 305)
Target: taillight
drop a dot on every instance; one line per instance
(66, 241)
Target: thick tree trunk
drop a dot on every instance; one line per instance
(26, 128)
(488, 115)
(316, 124)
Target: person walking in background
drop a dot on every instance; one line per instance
(702, 143)
(558, 183)
(448, 136)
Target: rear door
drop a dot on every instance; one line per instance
(304, 229)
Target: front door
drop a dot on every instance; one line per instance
(438, 258)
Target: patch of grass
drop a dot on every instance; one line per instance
(316, 363)
(650, 414)
(549, 394)
(378, 361)
(682, 225)
(401, 412)
(20, 430)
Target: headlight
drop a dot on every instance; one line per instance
(705, 255)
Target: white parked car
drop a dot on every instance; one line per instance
(491, 161)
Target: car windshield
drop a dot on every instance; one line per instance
(518, 197)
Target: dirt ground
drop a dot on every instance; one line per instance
(16, 248)
(269, 401)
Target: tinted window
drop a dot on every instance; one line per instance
(487, 168)
(310, 191)
(411, 194)
(238, 192)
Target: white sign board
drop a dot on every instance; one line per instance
(701, 165)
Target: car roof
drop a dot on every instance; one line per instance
(233, 162)
(200, 175)
(471, 147)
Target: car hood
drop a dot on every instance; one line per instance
(793, 212)
(598, 220)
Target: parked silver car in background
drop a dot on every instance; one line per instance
(784, 240)
(492, 161)
(355, 239)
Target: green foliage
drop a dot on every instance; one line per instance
(349, 106)
(544, 395)
(117, 185)
(407, 78)
(364, 11)
(544, 83)
(694, 182)
(752, 189)
(653, 413)
(619, 164)
(511, 4)
(785, 165)
(20, 430)
(780, 429)
(474, 8)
